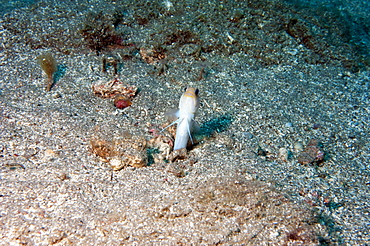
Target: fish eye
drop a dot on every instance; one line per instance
(186, 88)
(196, 92)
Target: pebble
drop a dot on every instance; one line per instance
(189, 49)
(316, 126)
(289, 124)
(312, 153)
(49, 155)
(248, 135)
(298, 146)
(121, 152)
(283, 154)
(116, 163)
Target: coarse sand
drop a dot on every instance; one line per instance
(282, 156)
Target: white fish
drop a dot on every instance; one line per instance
(188, 106)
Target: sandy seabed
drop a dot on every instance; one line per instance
(272, 77)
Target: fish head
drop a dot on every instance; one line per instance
(189, 102)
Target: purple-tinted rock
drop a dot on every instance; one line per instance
(312, 153)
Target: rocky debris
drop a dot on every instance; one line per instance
(179, 154)
(121, 152)
(152, 55)
(312, 153)
(112, 88)
(121, 101)
(164, 145)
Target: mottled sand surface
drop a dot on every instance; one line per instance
(282, 156)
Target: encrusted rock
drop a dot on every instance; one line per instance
(179, 154)
(109, 89)
(133, 158)
(102, 148)
(284, 154)
(312, 153)
(152, 55)
(121, 152)
(164, 144)
(190, 49)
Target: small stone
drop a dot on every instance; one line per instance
(316, 126)
(49, 155)
(57, 95)
(298, 147)
(164, 144)
(122, 102)
(102, 148)
(116, 163)
(283, 154)
(135, 158)
(248, 135)
(63, 177)
(49, 152)
(109, 89)
(289, 124)
(121, 152)
(152, 55)
(190, 49)
(312, 153)
(179, 154)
